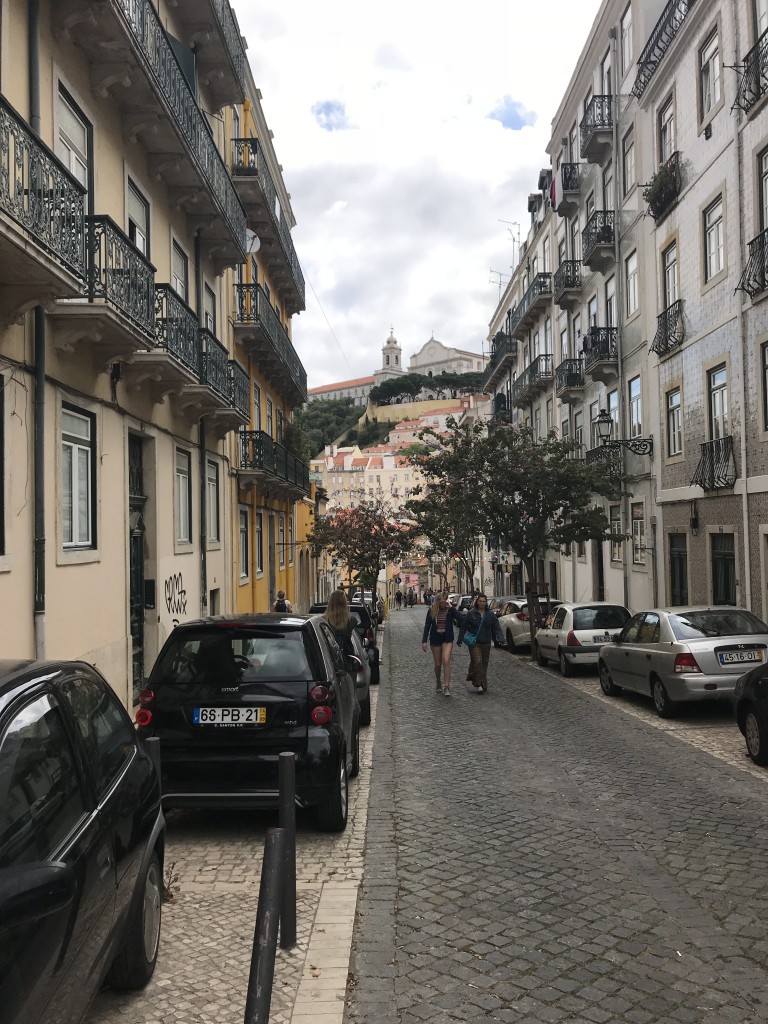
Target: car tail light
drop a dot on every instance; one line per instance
(321, 715)
(319, 694)
(143, 716)
(686, 663)
(572, 640)
(146, 697)
(523, 616)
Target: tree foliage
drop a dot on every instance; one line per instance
(362, 537)
(409, 385)
(322, 422)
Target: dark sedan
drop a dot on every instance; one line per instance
(750, 700)
(227, 695)
(81, 844)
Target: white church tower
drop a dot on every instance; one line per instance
(391, 359)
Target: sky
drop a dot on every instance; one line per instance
(410, 135)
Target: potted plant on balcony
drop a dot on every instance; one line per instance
(662, 188)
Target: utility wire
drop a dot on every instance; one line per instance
(333, 333)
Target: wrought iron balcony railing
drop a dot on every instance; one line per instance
(253, 306)
(151, 40)
(599, 231)
(503, 353)
(120, 275)
(249, 160)
(597, 117)
(533, 377)
(755, 276)
(569, 374)
(40, 194)
(570, 177)
(567, 278)
(716, 468)
(260, 453)
(239, 388)
(659, 42)
(232, 37)
(214, 363)
(599, 344)
(670, 329)
(754, 75)
(540, 287)
(177, 330)
(664, 187)
(610, 456)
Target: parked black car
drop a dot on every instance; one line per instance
(366, 626)
(81, 843)
(228, 694)
(750, 701)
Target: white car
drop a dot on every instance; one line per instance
(577, 632)
(515, 621)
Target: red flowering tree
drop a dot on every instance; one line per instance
(362, 537)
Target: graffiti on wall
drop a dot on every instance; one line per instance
(175, 595)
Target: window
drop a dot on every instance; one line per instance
(535, 345)
(594, 410)
(243, 544)
(590, 204)
(236, 123)
(256, 406)
(610, 302)
(550, 414)
(617, 541)
(212, 500)
(107, 732)
(565, 430)
(630, 277)
(576, 325)
(2, 465)
(537, 423)
(713, 239)
(761, 17)
(548, 336)
(270, 425)
(575, 239)
(179, 271)
(563, 335)
(578, 429)
(674, 422)
(290, 540)
(280, 426)
(723, 568)
(626, 40)
(183, 497)
(545, 267)
(718, 402)
(678, 569)
(259, 542)
(635, 408)
(608, 186)
(73, 144)
(669, 267)
(41, 799)
(709, 72)
(628, 161)
(606, 75)
(592, 311)
(613, 409)
(78, 467)
(209, 310)
(666, 127)
(762, 170)
(638, 532)
(138, 218)
(764, 375)
(281, 537)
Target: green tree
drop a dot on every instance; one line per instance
(324, 421)
(409, 385)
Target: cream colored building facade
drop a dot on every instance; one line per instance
(644, 278)
(434, 357)
(129, 218)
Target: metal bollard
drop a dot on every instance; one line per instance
(288, 825)
(152, 743)
(262, 973)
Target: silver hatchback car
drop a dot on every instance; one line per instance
(577, 632)
(683, 654)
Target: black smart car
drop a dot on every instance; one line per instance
(81, 843)
(228, 694)
(750, 701)
(366, 624)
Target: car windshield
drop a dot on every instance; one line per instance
(237, 655)
(601, 616)
(699, 625)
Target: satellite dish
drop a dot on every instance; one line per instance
(254, 242)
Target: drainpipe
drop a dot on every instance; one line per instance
(201, 442)
(739, 156)
(33, 55)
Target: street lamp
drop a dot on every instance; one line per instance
(637, 445)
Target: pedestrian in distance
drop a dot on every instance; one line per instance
(483, 626)
(341, 622)
(438, 636)
(282, 604)
(398, 600)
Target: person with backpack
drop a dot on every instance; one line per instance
(282, 604)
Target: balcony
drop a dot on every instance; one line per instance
(597, 241)
(534, 379)
(670, 329)
(601, 354)
(210, 394)
(754, 75)
(569, 380)
(42, 222)
(219, 54)
(503, 356)
(235, 413)
(659, 42)
(755, 277)
(596, 129)
(537, 296)
(257, 191)
(663, 189)
(270, 465)
(566, 285)
(259, 329)
(607, 454)
(173, 362)
(717, 467)
(567, 186)
(132, 61)
(116, 312)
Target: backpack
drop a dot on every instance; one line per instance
(281, 606)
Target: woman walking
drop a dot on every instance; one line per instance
(341, 622)
(438, 636)
(484, 625)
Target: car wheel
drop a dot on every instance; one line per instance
(135, 963)
(566, 668)
(665, 708)
(331, 812)
(540, 659)
(607, 685)
(365, 711)
(510, 641)
(756, 736)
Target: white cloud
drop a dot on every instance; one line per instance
(398, 220)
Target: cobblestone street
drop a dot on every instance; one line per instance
(546, 854)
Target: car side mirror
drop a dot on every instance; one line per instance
(34, 891)
(354, 664)
(616, 638)
(365, 643)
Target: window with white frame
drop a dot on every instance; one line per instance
(635, 408)
(281, 538)
(626, 40)
(209, 309)
(548, 336)
(669, 268)
(594, 412)
(713, 239)
(212, 500)
(290, 540)
(545, 267)
(610, 302)
(259, 542)
(270, 425)
(762, 171)
(179, 271)
(2, 465)
(613, 410)
(550, 414)
(717, 385)
(73, 142)
(78, 464)
(630, 283)
(666, 128)
(137, 209)
(183, 497)
(638, 532)
(764, 377)
(674, 422)
(709, 74)
(760, 10)
(243, 546)
(628, 161)
(256, 406)
(578, 428)
(537, 423)
(615, 531)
